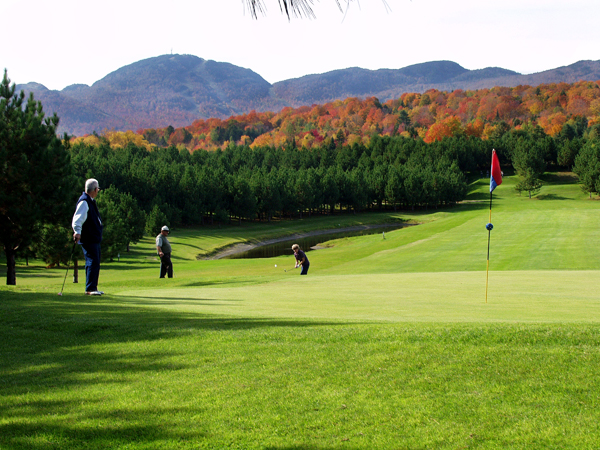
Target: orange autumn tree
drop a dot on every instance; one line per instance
(432, 115)
(448, 127)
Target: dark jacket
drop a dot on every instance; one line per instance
(91, 231)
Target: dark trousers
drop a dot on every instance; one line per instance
(305, 267)
(91, 253)
(166, 266)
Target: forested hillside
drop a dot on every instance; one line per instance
(418, 151)
(178, 89)
(555, 109)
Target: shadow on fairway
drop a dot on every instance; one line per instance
(210, 283)
(550, 197)
(477, 196)
(48, 273)
(185, 244)
(33, 322)
(560, 178)
(48, 341)
(144, 301)
(129, 428)
(24, 272)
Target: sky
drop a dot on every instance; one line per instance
(66, 42)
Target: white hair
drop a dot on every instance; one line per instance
(91, 184)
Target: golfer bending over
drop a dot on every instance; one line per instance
(301, 259)
(164, 251)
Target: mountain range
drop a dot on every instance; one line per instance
(178, 89)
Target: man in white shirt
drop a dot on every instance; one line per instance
(163, 247)
(87, 228)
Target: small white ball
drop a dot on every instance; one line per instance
(275, 265)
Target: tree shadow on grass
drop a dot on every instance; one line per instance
(70, 344)
(550, 197)
(210, 283)
(143, 301)
(311, 447)
(560, 178)
(33, 324)
(124, 428)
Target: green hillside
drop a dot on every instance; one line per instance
(540, 247)
(551, 236)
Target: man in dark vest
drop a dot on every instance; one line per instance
(87, 227)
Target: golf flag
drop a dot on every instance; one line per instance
(495, 181)
(496, 173)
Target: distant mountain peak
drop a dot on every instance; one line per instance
(175, 89)
(434, 71)
(33, 86)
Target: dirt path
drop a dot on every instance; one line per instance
(245, 246)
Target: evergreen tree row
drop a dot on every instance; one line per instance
(263, 183)
(186, 188)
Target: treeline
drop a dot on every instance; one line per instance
(143, 190)
(240, 182)
(262, 183)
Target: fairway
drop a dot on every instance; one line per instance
(387, 343)
(513, 296)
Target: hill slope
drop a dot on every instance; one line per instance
(178, 89)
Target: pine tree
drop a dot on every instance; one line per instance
(36, 180)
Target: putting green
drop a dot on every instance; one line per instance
(513, 296)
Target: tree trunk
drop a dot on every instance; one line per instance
(11, 274)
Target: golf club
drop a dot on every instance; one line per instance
(68, 263)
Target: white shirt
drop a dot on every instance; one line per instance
(80, 216)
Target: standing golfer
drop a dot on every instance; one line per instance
(87, 227)
(164, 251)
(301, 259)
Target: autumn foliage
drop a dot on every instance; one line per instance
(432, 115)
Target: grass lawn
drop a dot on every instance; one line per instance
(387, 343)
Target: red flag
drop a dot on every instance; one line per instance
(496, 178)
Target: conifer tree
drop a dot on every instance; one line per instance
(36, 181)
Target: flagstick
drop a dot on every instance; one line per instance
(488, 252)
(494, 182)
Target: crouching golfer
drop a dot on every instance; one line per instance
(164, 251)
(301, 259)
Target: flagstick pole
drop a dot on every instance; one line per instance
(488, 252)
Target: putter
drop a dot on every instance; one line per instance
(66, 273)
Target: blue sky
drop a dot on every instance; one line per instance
(65, 42)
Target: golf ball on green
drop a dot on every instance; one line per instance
(275, 265)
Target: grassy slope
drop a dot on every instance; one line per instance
(540, 254)
(386, 344)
